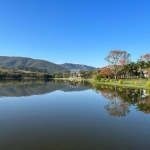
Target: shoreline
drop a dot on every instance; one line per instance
(127, 83)
(115, 83)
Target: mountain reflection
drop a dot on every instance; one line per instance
(120, 99)
(16, 88)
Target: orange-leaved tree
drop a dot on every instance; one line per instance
(105, 71)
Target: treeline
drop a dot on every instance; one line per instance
(13, 73)
(17, 75)
(131, 70)
(82, 74)
(32, 69)
(121, 66)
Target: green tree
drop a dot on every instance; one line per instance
(140, 65)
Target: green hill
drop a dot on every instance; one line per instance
(14, 62)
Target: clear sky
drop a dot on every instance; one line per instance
(74, 31)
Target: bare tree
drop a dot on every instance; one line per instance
(117, 59)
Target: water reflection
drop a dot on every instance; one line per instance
(17, 88)
(122, 98)
(67, 119)
(74, 83)
(117, 108)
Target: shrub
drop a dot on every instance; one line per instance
(102, 80)
(111, 80)
(120, 81)
(148, 83)
(98, 77)
(106, 80)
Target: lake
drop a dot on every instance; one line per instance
(63, 115)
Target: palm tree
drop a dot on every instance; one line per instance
(140, 65)
(147, 65)
(130, 69)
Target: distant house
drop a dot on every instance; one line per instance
(145, 73)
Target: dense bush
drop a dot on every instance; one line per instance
(98, 77)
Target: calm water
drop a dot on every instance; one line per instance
(38, 115)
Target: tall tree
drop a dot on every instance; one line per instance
(146, 58)
(140, 64)
(130, 69)
(116, 60)
(148, 70)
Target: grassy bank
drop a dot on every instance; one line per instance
(126, 82)
(132, 83)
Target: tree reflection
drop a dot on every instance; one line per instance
(144, 102)
(117, 108)
(122, 98)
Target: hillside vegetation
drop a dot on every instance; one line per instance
(37, 65)
(14, 62)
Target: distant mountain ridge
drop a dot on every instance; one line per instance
(14, 62)
(77, 66)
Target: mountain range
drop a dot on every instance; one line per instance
(14, 62)
(77, 66)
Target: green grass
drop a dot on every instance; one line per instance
(135, 83)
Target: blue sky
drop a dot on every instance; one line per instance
(74, 31)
